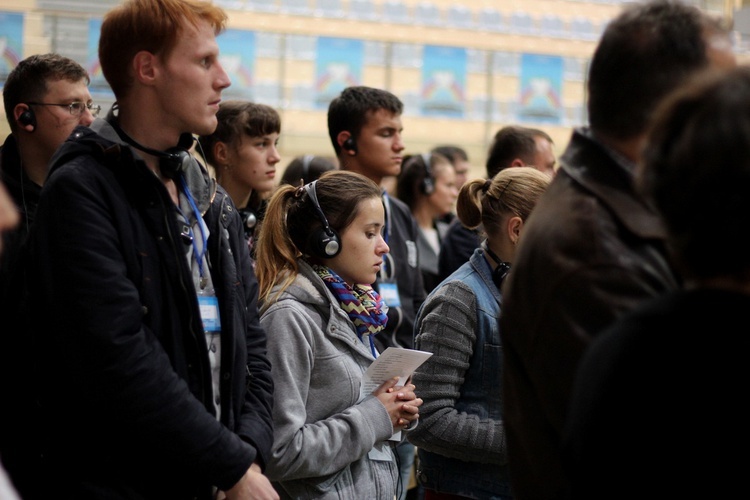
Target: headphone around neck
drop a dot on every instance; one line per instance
(501, 271)
(323, 243)
(173, 161)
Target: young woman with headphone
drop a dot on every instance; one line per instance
(320, 249)
(427, 184)
(460, 439)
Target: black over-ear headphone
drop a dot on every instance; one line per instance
(502, 269)
(173, 160)
(325, 242)
(27, 118)
(427, 186)
(350, 144)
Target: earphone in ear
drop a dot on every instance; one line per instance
(27, 118)
(427, 186)
(350, 144)
(323, 243)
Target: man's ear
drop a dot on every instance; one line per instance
(145, 67)
(518, 163)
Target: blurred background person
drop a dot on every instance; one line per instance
(657, 397)
(459, 158)
(512, 146)
(594, 249)
(243, 151)
(427, 184)
(305, 169)
(8, 220)
(461, 442)
(319, 252)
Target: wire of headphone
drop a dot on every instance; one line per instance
(23, 197)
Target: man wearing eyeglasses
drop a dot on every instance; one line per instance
(45, 96)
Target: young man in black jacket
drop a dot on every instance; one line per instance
(149, 368)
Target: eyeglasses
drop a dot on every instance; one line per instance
(76, 108)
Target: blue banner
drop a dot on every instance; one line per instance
(541, 84)
(237, 56)
(98, 82)
(11, 43)
(338, 65)
(443, 81)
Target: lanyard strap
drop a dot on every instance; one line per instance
(199, 220)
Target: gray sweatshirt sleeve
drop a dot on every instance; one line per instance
(446, 329)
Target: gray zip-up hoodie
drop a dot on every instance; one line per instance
(330, 441)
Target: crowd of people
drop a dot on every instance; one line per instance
(180, 323)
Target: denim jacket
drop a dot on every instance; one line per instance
(461, 438)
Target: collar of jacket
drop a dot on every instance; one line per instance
(591, 165)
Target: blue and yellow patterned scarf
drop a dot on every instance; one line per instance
(362, 303)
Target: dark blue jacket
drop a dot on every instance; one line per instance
(120, 366)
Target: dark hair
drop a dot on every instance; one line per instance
(512, 142)
(643, 54)
(352, 108)
(453, 153)
(696, 171)
(237, 119)
(150, 25)
(306, 169)
(29, 80)
(413, 174)
(513, 191)
(291, 218)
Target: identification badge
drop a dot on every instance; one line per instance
(411, 253)
(209, 307)
(389, 294)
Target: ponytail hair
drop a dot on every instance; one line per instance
(512, 192)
